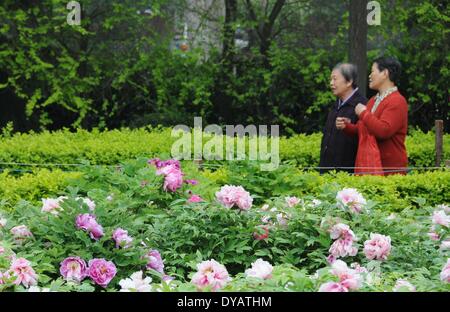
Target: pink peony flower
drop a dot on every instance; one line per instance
(21, 232)
(24, 273)
(378, 247)
(445, 273)
(332, 287)
(403, 285)
(52, 205)
(351, 199)
(342, 231)
(121, 238)
(292, 201)
(348, 278)
(173, 180)
(260, 269)
(343, 246)
(244, 202)
(195, 199)
(440, 218)
(85, 221)
(433, 236)
(226, 196)
(173, 176)
(88, 223)
(155, 261)
(230, 195)
(73, 269)
(210, 274)
(101, 271)
(96, 232)
(331, 259)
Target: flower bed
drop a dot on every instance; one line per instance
(152, 226)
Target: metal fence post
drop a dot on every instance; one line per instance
(439, 126)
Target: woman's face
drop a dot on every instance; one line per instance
(339, 86)
(376, 77)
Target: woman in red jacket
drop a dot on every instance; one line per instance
(385, 116)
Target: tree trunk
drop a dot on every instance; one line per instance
(228, 30)
(358, 41)
(223, 106)
(267, 28)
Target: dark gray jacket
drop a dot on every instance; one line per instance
(337, 148)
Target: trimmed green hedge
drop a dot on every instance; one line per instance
(65, 147)
(33, 186)
(112, 147)
(304, 150)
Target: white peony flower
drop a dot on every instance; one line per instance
(136, 283)
(260, 269)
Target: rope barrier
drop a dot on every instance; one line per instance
(50, 165)
(378, 172)
(5, 165)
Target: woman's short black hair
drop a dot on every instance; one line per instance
(392, 65)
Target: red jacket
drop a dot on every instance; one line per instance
(389, 125)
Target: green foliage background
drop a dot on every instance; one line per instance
(117, 68)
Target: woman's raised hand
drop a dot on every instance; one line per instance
(341, 122)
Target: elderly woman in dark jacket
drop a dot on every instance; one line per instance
(338, 151)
